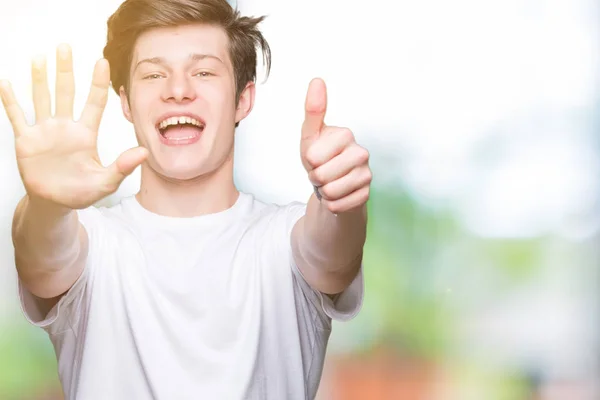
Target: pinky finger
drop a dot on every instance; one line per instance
(354, 200)
(13, 110)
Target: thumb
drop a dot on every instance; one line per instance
(126, 163)
(315, 108)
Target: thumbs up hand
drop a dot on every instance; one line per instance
(337, 166)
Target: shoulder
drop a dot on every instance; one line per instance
(277, 215)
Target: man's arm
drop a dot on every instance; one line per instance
(328, 249)
(327, 242)
(50, 247)
(59, 165)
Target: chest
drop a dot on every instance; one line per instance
(210, 309)
(197, 263)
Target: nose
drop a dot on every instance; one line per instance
(179, 89)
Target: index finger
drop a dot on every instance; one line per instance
(15, 114)
(315, 108)
(98, 97)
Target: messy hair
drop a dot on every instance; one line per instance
(134, 17)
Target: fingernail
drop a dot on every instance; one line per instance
(63, 51)
(39, 61)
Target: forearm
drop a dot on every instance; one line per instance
(333, 243)
(47, 240)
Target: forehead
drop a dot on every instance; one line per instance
(177, 43)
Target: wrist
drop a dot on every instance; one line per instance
(44, 208)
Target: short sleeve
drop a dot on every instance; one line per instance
(66, 313)
(341, 307)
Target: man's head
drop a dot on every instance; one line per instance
(185, 72)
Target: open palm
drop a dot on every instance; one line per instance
(58, 157)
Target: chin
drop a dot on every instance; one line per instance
(187, 172)
(182, 168)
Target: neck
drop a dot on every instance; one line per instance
(206, 194)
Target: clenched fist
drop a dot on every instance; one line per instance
(337, 166)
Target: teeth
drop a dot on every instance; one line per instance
(181, 139)
(180, 120)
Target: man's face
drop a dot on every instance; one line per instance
(182, 99)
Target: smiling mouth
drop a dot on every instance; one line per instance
(180, 130)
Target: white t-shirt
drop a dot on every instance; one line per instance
(209, 307)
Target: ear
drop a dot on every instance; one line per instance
(245, 103)
(125, 104)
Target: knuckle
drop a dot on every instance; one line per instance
(364, 197)
(109, 187)
(317, 177)
(312, 156)
(100, 96)
(328, 191)
(368, 176)
(104, 98)
(39, 76)
(362, 154)
(346, 134)
(334, 207)
(108, 183)
(50, 125)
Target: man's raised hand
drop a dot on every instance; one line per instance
(335, 163)
(57, 157)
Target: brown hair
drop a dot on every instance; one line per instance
(134, 17)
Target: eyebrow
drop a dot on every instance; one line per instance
(162, 61)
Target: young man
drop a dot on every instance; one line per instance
(189, 289)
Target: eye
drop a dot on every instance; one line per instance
(203, 74)
(153, 76)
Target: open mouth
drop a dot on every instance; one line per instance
(180, 129)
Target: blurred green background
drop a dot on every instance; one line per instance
(481, 265)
